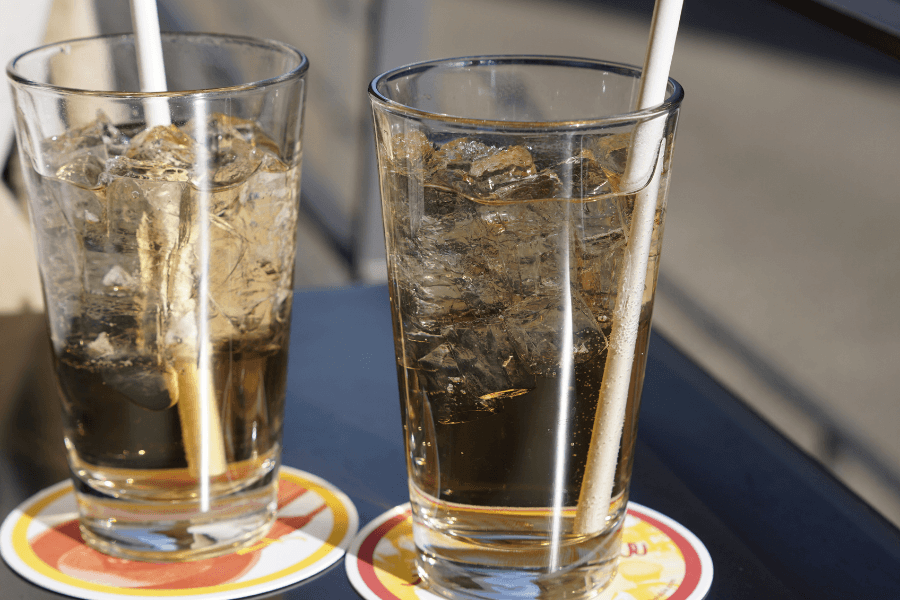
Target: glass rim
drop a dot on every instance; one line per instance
(17, 78)
(672, 102)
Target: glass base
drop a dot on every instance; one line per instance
(465, 581)
(470, 552)
(172, 531)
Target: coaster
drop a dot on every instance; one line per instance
(316, 522)
(661, 560)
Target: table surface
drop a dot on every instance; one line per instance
(775, 523)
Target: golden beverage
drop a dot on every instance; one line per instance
(507, 216)
(148, 367)
(502, 284)
(123, 430)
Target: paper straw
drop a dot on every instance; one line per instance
(151, 68)
(646, 153)
(212, 459)
(189, 377)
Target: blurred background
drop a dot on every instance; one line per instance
(781, 263)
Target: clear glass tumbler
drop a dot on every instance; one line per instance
(507, 212)
(165, 228)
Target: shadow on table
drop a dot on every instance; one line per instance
(32, 455)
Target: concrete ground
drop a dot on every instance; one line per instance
(779, 267)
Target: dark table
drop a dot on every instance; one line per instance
(776, 524)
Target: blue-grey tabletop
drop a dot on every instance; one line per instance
(775, 523)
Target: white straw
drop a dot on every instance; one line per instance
(191, 382)
(646, 153)
(151, 69)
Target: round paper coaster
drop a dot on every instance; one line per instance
(661, 560)
(316, 523)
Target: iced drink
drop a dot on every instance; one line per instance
(505, 246)
(167, 256)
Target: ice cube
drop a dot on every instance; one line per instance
(486, 174)
(117, 277)
(221, 130)
(182, 329)
(448, 402)
(273, 197)
(473, 372)
(236, 149)
(161, 153)
(102, 132)
(460, 153)
(462, 247)
(152, 170)
(412, 150)
(248, 236)
(449, 271)
(439, 359)
(83, 170)
(155, 206)
(486, 357)
(109, 273)
(99, 138)
(142, 384)
(100, 347)
(598, 225)
(236, 291)
(501, 168)
(584, 176)
(450, 192)
(611, 154)
(59, 249)
(273, 164)
(541, 186)
(432, 297)
(236, 164)
(528, 241)
(164, 145)
(536, 327)
(418, 343)
(78, 210)
(438, 375)
(513, 162)
(599, 251)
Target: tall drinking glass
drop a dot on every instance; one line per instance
(165, 226)
(506, 216)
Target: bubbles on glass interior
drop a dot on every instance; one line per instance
(505, 262)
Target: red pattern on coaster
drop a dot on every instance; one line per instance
(62, 548)
(661, 560)
(366, 564)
